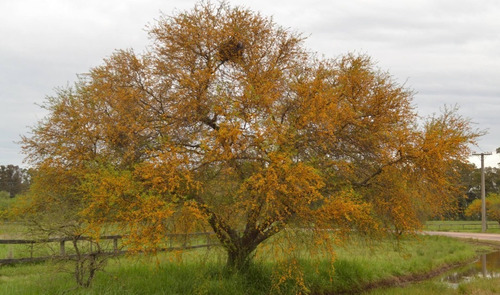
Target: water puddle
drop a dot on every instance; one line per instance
(486, 266)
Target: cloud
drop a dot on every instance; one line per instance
(446, 51)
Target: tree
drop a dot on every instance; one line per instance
(492, 182)
(466, 192)
(14, 179)
(492, 208)
(470, 180)
(229, 120)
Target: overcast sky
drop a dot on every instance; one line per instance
(447, 51)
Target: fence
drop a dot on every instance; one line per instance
(183, 238)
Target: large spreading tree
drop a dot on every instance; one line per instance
(227, 121)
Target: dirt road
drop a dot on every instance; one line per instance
(474, 236)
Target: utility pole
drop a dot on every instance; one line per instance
(483, 192)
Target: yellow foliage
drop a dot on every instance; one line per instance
(492, 208)
(227, 122)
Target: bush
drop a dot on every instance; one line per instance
(492, 208)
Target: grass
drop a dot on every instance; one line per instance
(485, 286)
(358, 264)
(424, 288)
(174, 273)
(479, 286)
(462, 226)
(202, 271)
(356, 268)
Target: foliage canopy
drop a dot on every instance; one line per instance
(228, 122)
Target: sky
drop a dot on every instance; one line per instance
(446, 51)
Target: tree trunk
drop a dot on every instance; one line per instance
(239, 258)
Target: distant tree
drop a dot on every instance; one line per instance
(492, 182)
(229, 120)
(492, 179)
(14, 179)
(469, 184)
(492, 208)
(462, 173)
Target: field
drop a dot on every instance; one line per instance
(461, 226)
(359, 264)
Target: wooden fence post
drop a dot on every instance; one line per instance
(62, 251)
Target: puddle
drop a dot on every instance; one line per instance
(486, 266)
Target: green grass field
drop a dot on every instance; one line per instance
(479, 286)
(358, 263)
(202, 271)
